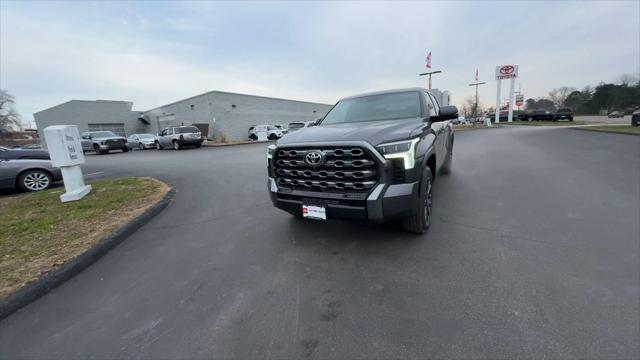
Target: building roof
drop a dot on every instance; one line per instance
(232, 93)
(89, 101)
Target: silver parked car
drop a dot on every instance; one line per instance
(142, 141)
(178, 136)
(28, 174)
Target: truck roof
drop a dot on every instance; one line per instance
(392, 91)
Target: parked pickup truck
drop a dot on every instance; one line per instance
(103, 141)
(372, 157)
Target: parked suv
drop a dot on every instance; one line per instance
(539, 114)
(563, 114)
(179, 136)
(103, 141)
(373, 157)
(273, 132)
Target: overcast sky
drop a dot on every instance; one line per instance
(154, 53)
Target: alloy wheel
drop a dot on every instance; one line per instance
(36, 181)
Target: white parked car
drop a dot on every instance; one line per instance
(293, 126)
(271, 131)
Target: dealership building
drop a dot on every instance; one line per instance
(218, 114)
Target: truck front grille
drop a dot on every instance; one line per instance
(114, 142)
(341, 169)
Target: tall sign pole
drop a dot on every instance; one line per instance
(429, 74)
(476, 84)
(504, 72)
(497, 120)
(511, 99)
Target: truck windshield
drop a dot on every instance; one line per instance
(188, 129)
(400, 105)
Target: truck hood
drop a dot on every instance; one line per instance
(108, 138)
(373, 132)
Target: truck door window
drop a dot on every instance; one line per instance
(430, 105)
(435, 104)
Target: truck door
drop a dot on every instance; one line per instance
(439, 128)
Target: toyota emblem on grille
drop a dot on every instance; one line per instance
(314, 158)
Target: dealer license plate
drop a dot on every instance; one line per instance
(314, 212)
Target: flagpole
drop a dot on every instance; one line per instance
(476, 84)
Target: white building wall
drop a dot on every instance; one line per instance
(84, 112)
(234, 113)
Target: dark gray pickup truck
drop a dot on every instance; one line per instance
(103, 141)
(372, 157)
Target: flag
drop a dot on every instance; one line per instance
(476, 74)
(428, 59)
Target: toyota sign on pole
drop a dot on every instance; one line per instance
(504, 72)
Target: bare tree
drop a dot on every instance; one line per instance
(9, 118)
(469, 108)
(628, 79)
(559, 95)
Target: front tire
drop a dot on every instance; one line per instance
(125, 149)
(96, 148)
(158, 146)
(140, 146)
(34, 180)
(176, 145)
(421, 221)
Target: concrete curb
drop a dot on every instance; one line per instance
(586, 128)
(50, 281)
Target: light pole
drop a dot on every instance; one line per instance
(430, 73)
(476, 84)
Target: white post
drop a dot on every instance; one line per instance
(511, 95)
(498, 102)
(65, 149)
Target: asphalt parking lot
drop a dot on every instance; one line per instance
(533, 253)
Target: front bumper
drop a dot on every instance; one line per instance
(113, 146)
(384, 202)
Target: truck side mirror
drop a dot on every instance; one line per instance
(446, 113)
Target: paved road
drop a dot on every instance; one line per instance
(533, 253)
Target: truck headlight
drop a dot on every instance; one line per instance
(405, 150)
(271, 149)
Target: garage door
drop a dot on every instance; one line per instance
(117, 128)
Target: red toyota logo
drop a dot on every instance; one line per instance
(507, 70)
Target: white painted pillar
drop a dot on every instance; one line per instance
(498, 102)
(511, 98)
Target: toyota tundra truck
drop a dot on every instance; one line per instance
(373, 157)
